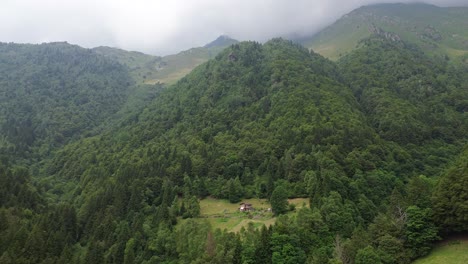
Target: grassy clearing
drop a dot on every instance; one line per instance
(453, 251)
(225, 215)
(454, 53)
(211, 206)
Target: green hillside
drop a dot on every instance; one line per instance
(363, 140)
(437, 30)
(98, 165)
(51, 93)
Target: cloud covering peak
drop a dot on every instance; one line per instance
(163, 27)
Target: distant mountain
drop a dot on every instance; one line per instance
(221, 41)
(437, 30)
(168, 69)
(176, 66)
(142, 66)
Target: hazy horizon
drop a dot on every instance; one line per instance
(161, 27)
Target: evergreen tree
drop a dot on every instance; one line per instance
(279, 200)
(263, 248)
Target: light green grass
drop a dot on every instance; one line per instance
(450, 252)
(169, 69)
(211, 206)
(225, 215)
(176, 66)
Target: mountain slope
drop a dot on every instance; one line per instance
(168, 69)
(353, 137)
(436, 30)
(368, 139)
(51, 93)
(178, 65)
(361, 138)
(141, 65)
(411, 99)
(417, 85)
(250, 106)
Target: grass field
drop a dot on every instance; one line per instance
(451, 251)
(225, 215)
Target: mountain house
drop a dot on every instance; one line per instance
(246, 207)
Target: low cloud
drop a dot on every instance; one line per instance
(164, 27)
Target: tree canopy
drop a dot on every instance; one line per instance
(95, 170)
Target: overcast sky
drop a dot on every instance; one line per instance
(167, 26)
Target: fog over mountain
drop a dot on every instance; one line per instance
(163, 27)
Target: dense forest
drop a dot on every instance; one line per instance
(376, 141)
(55, 92)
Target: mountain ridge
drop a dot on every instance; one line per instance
(431, 28)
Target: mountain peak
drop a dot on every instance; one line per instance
(221, 41)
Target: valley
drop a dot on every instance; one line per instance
(350, 146)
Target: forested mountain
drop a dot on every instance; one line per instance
(51, 93)
(436, 30)
(95, 169)
(362, 139)
(417, 102)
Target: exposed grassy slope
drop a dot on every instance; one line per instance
(427, 26)
(454, 251)
(168, 69)
(142, 66)
(174, 67)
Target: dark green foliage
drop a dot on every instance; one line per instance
(367, 255)
(450, 198)
(419, 190)
(362, 138)
(420, 231)
(51, 93)
(191, 208)
(262, 251)
(391, 250)
(235, 192)
(17, 189)
(403, 93)
(279, 200)
(286, 249)
(338, 214)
